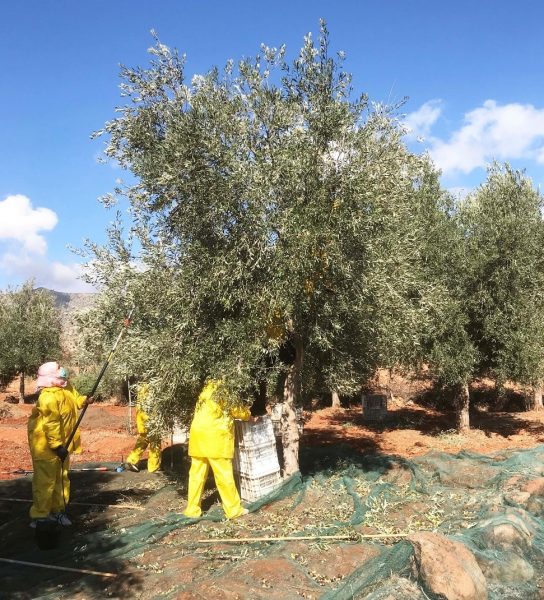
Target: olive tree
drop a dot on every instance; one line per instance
(267, 196)
(504, 277)
(29, 332)
(446, 346)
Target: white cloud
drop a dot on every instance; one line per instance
(492, 131)
(21, 222)
(419, 123)
(25, 250)
(55, 275)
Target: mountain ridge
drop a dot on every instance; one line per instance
(69, 304)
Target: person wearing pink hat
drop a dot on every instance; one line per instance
(49, 426)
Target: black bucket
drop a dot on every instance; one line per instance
(48, 534)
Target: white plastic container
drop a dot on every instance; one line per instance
(253, 488)
(256, 465)
(251, 434)
(257, 461)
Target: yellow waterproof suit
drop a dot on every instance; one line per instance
(142, 442)
(49, 425)
(211, 444)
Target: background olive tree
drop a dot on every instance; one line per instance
(266, 195)
(504, 278)
(29, 332)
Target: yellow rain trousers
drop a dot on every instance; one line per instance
(211, 444)
(49, 481)
(50, 423)
(142, 442)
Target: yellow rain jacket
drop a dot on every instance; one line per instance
(143, 442)
(212, 429)
(52, 420)
(141, 416)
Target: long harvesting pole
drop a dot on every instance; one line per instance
(129, 408)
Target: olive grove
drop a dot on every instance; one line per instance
(282, 237)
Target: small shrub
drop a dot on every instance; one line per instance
(108, 387)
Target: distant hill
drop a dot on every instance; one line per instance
(69, 305)
(71, 302)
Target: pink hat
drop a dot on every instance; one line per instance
(50, 375)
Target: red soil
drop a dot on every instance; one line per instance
(408, 430)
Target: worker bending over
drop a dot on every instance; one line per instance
(211, 444)
(50, 424)
(143, 440)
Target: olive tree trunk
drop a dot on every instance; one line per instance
(335, 400)
(536, 403)
(290, 430)
(462, 402)
(22, 387)
(500, 395)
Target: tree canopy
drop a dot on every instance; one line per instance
(29, 331)
(267, 194)
(504, 273)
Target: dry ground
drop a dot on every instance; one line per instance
(285, 570)
(410, 429)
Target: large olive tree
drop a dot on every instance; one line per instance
(267, 197)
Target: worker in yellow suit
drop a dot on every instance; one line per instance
(50, 424)
(211, 444)
(144, 441)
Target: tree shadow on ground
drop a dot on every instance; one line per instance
(486, 398)
(505, 424)
(483, 414)
(175, 462)
(347, 429)
(428, 421)
(86, 545)
(19, 544)
(327, 460)
(352, 420)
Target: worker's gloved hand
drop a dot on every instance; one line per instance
(61, 452)
(88, 400)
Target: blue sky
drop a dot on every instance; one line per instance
(472, 72)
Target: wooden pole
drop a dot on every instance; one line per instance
(129, 408)
(126, 506)
(24, 472)
(57, 568)
(296, 538)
